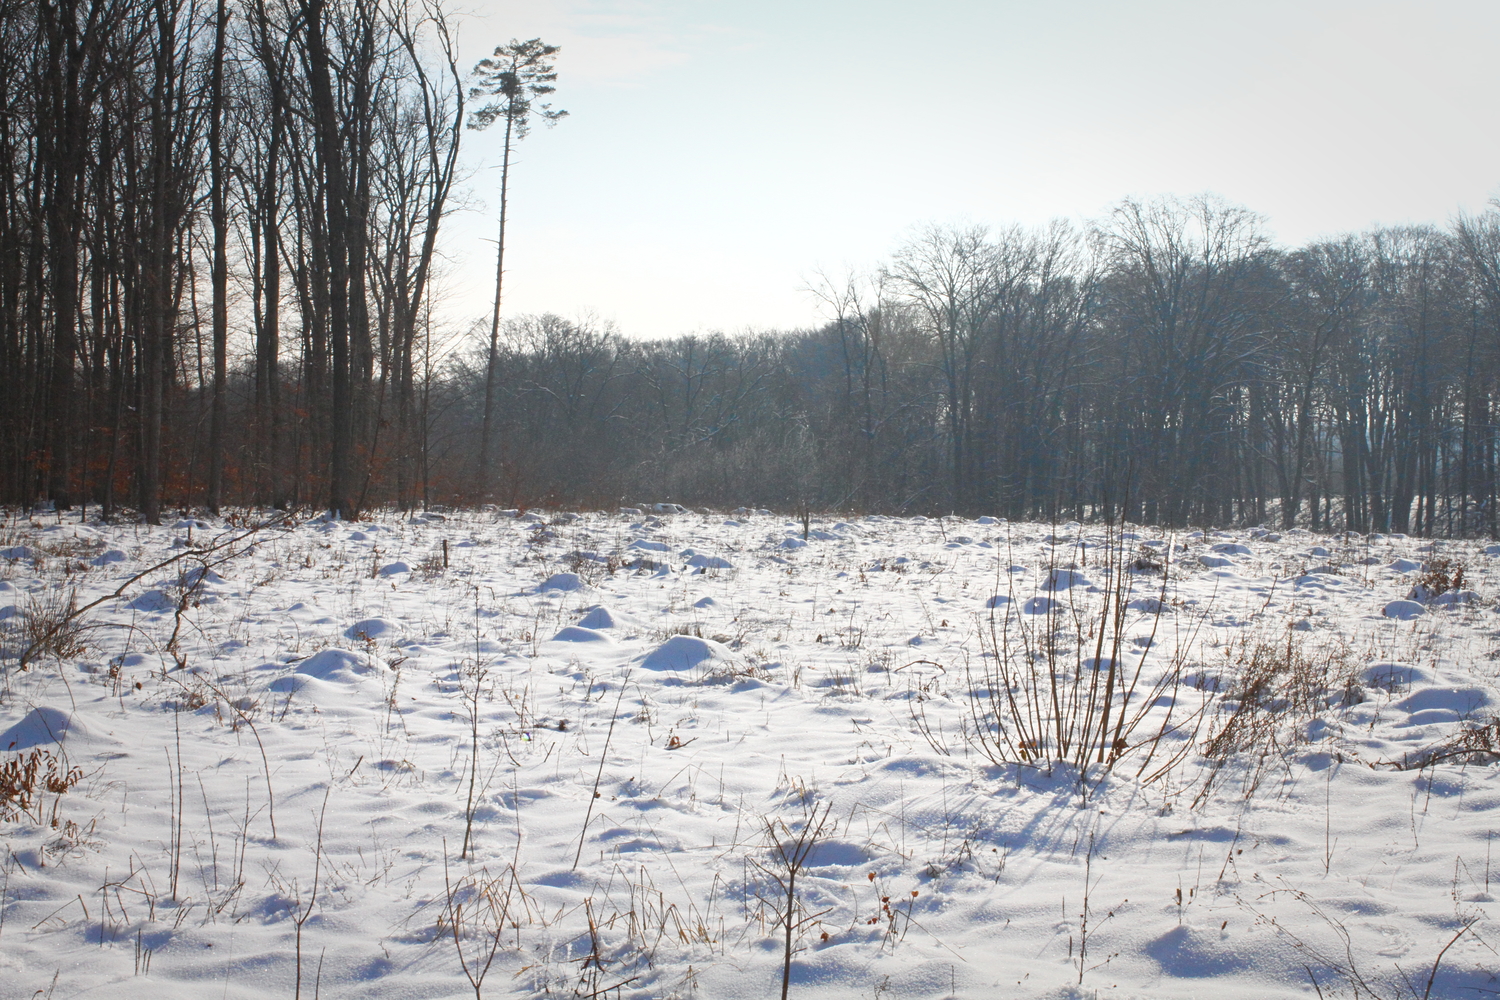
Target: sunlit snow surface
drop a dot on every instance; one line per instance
(707, 674)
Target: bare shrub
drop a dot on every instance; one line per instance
(25, 777)
(1056, 684)
(72, 552)
(1441, 575)
(1149, 561)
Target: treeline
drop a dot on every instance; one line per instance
(219, 224)
(1166, 365)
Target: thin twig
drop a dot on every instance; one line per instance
(599, 775)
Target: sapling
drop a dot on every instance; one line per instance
(5, 868)
(265, 760)
(603, 756)
(174, 790)
(473, 678)
(788, 852)
(303, 914)
(1083, 916)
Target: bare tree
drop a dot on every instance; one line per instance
(517, 75)
(1181, 301)
(219, 219)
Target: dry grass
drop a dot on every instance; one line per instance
(1270, 688)
(51, 624)
(1474, 745)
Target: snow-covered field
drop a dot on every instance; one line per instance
(267, 751)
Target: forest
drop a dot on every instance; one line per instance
(220, 238)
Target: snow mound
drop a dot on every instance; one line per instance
(395, 569)
(198, 576)
(42, 726)
(647, 545)
(561, 581)
(109, 556)
(335, 664)
(1447, 599)
(576, 633)
(997, 600)
(792, 543)
(601, 617)
(1190, 953)
(1427, 706)
(17, 552)
(1391, 676)
(1065, 579)
(1232, 549)
(684, 652)
(1215, 562)
(372, 628)
(839, 854)
(152, 602)
(1404, 610)
(1405, 565)
(1038, 606)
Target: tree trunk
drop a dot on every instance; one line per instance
(219, 275)
(485, 483)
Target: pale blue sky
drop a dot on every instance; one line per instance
(719, 153)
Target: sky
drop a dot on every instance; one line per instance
(718, 156)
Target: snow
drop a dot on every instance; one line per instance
(600, 617)
(1404, 610)
(337, 664)
(562, 581)
(684, 652)
(281, 733)
(42, 726)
